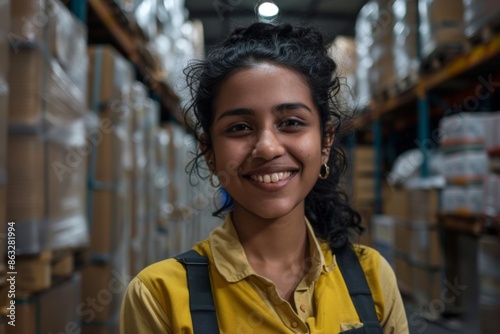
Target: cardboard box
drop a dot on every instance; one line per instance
(364, 160)
(34, 273)
(364, 189)
(109, 225)
(424, 206)
(28, 19)
(403, 271)
(48, 203)
(112, 75)
(41, 91)
(104, 284)
(53, 311)
(396, 203)
(4, 100)
(427, 283)
(442, 22)
(4, 42)
(425, 245)
(109, 328)
(402, 237)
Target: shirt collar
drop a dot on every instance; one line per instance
(231, 261)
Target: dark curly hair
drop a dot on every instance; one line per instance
(303, 50)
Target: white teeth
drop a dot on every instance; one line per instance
(271, 178)
(275, 177)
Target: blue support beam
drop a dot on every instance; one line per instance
(79, 9)
(423, 133)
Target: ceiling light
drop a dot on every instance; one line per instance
(267, 10)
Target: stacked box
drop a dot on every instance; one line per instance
(68, 43)
(426, 283)
(478, 14)
(382, 74)
(45, 313)
(104, 285)
(151, 128)
(405, 33)
(441, 26)
(139, 177)
(374, 41)
(384, 237)
(363, 187)
(162, 177)
(46, 123)
(465, 140)
(364, 40)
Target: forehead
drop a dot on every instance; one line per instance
(262, 84)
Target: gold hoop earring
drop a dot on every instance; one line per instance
(211, 180)
(327, 172)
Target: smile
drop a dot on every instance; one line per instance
(271, 178)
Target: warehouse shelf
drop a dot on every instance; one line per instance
(132, 43)
(470, 224)
(478, 56)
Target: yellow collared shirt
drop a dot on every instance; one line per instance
(157, 300)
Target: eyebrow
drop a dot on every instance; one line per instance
(280, 108)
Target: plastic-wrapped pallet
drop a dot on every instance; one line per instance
(151, 128)
(68, 43)
(491, 133)
(382, 75)
(110, 81)
(491, 196)
(138, 103)
(46, 127)
(405, 52)
(374, 40)
(441, 26)
(364, 41)
(478, 14)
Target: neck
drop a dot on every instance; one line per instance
(281, 241)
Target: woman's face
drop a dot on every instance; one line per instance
(267, 142)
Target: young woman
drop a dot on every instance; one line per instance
(266, 117)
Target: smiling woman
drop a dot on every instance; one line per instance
(265, 113)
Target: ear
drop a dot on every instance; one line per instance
(208, 155)
(327, 142)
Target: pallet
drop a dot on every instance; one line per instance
(41, 271)
(444, 54)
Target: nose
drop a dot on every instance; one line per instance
(268, 146)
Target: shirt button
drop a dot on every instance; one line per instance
(295, 324)
(303, 307)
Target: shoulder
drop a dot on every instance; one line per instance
(166, 280)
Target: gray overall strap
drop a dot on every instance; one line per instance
(201, 300)
(359, 291)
